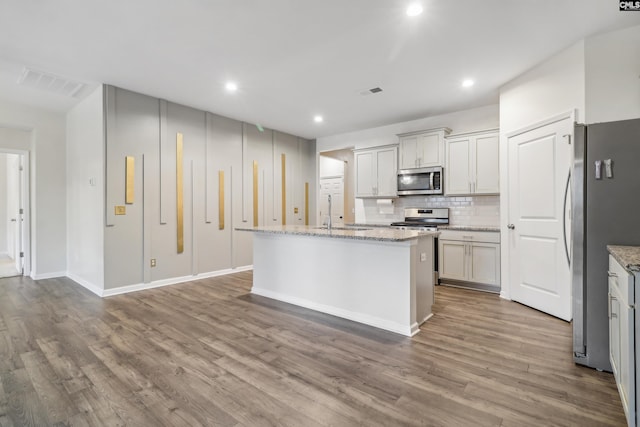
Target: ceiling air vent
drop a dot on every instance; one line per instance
(49, 82)
(370, 91)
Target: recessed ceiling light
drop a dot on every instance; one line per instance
(468, 83)
(318, 119)
(231, 86)
(414, 9)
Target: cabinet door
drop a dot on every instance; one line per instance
(626, 369)
(364, 174)
(484, 263)
(386, 169)
(614, 331)
(409, 152)
(458, 171)
(452, 262)
(486, 173)
(430, 150)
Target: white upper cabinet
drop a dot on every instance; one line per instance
(376, 172)
(422, 149)
(473, 163)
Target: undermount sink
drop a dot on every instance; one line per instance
(343, 228)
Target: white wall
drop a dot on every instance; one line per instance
(85, 192)
(461, 121)
(43, 134)
(330, 167)
(553, 87)
(462, 209)
(613, 76)
(4, 220)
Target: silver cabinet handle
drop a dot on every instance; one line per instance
(612, 315)
(13, 220)
(511, 227)
(564, 219)
(611, 274)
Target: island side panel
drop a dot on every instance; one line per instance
(366, 281)
(424, 253)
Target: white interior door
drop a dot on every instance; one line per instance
(539, 164)
(13, 208)
(335, 187)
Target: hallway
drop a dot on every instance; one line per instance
(7, 267)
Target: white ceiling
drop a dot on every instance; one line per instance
(294, 59)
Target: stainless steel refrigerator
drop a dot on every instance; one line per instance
(605, 211)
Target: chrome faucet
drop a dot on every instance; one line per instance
(329, 220)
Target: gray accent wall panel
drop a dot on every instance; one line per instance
(132, 130)
(146, 128)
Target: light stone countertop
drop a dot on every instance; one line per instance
(382, 234)
(470, 228)
(627, 256)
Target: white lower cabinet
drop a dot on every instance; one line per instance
(470, 256)
(621, 335)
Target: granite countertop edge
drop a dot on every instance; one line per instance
(627, 256)
(490, 228)
(371, 235)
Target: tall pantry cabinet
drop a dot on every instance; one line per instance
(178, 180)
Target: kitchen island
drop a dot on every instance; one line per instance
(381, 277)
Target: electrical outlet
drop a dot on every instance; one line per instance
(423, 257)
(153, 262)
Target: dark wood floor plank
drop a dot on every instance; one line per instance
(209, 353)
(52, 394)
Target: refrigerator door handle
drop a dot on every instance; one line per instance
(564, 218)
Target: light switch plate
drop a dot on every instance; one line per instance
(608, 170)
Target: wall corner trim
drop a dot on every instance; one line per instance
(52, 275)
(86, 284)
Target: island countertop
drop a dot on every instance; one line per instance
(356, 233)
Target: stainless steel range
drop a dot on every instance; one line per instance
(425, 219)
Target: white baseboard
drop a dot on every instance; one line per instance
(172, 281)
(4, 254)
(85, 284)
(406, 330)
(504, 295)
(53, 275)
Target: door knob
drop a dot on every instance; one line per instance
(511, 227)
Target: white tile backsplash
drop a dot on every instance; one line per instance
(470, 210)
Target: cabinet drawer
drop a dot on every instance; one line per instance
(620, 278)
(470, 236)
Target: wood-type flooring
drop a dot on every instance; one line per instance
(209, 353)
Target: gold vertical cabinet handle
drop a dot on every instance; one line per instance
(221, 200)
(306, 203)
(283, 158)
(255, 193)
(129, 179)
(179, 193)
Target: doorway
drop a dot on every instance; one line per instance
(336, 177)
(14, 233)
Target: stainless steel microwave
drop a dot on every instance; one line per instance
(413, 182)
